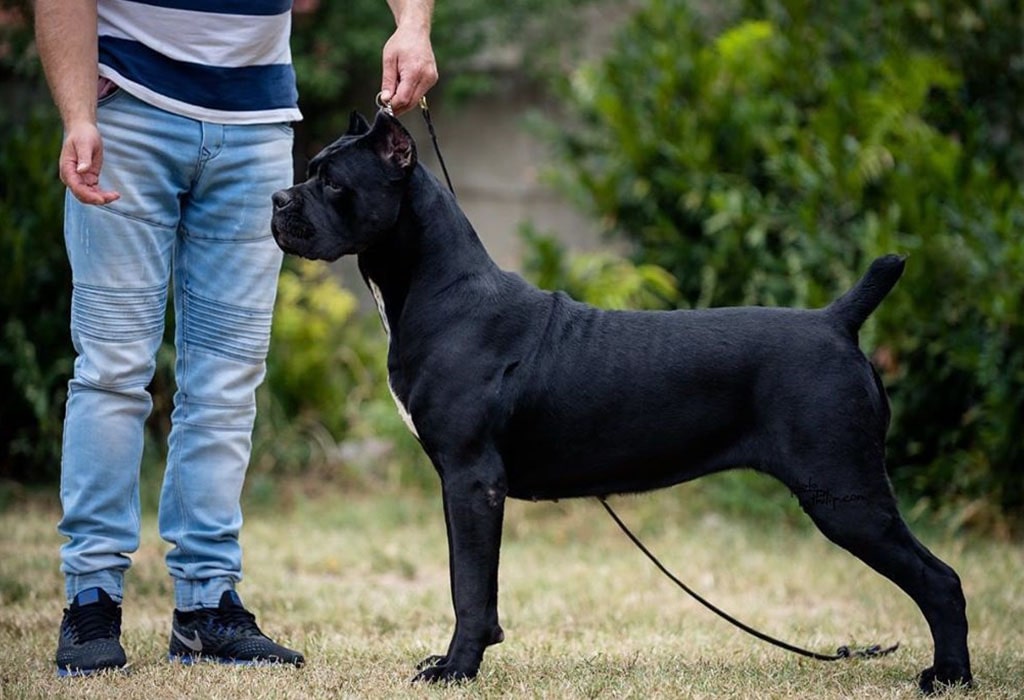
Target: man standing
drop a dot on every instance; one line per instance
(177, 131)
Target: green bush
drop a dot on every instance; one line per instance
(35, 298)
(604, 279)
(768, 160)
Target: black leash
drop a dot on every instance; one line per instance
(843, 652)
(433, 137)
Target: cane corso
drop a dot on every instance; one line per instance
(517, 392)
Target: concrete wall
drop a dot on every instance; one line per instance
(495, 165)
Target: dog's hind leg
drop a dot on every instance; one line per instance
(859, 513)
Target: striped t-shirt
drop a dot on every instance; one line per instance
(225, 61)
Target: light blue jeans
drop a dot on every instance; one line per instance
(194, 216)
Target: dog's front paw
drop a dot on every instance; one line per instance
(444, 673)
(432, 660)
(932, 681)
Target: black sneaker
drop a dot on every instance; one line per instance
(228, 634)
(90, 635)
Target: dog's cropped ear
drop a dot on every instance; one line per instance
(357, 124)
(392, 143)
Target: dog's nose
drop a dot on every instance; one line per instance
(281, 199)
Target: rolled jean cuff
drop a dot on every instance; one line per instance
(110, 580)
(192, 594)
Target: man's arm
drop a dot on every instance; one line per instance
(409, 66)
(66, 37)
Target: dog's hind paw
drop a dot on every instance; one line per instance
(932, 682)
(432, 660)
(444, 674)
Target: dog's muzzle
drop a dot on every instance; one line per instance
(282, 200)
(287, 224)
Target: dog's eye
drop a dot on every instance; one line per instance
(329, 183)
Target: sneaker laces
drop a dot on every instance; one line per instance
(236, 619)
(95, 621)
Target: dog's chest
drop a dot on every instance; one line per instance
(378, 297)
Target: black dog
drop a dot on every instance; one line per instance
(515, 392)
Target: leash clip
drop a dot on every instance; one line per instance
(384, 106)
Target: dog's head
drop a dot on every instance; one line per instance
(352, 194)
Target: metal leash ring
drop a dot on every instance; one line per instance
(386, 106)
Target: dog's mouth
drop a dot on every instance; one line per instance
(290, 230)
(297, 237)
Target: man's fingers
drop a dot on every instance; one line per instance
(83, 180)
(412, 85)
(81, 160)
(407, 96)
(402, 100)
(90, 193)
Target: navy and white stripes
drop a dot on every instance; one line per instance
(226, 61)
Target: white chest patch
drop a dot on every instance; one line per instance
(402, 410)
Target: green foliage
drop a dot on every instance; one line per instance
(980, 41)
(309, 341)
(768, 162)
(35, 282)
(603, 279)
(17, 48)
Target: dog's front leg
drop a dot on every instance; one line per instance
(474, 501)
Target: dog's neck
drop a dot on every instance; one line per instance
(433, 247)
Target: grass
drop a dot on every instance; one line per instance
(359, 582)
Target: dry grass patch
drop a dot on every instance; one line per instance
(360, 584)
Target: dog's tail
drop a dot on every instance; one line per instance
(853, 308)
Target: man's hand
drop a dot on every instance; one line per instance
(81, 158)
(409, 66)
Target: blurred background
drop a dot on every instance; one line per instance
(644, 154)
